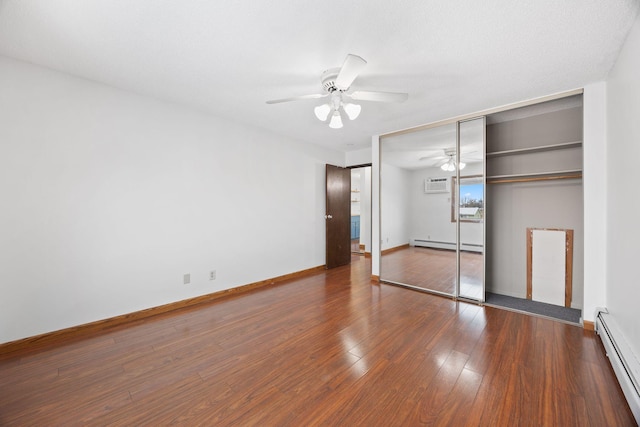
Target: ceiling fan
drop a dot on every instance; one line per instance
(449, 163)
(336, 82)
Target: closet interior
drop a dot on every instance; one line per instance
(488, 208)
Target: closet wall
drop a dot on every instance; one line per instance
(530, 188)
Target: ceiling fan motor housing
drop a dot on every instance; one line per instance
(328, 80)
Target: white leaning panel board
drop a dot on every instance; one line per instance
(548, 263)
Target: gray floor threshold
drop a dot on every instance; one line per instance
(549, 310)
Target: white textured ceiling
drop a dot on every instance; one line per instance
(229, 57)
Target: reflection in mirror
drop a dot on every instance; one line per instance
(471, 209)
(418, 238)
(471, 198)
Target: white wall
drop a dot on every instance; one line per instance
(623, 175)
(514, 208)
(376, 239)
(395, 203)
(365, 207)
(594, 179)
(358, 157)
(109, 198)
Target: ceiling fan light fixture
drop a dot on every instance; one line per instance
(322, 112)
(336, 120)
(352, 110)
(450, 165)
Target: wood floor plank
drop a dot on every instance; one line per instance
(460, 399)
(329, 349)
(441, 387)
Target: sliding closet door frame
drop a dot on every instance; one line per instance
(455, 201)
(456, 204)
(484, 207)
(458, 119)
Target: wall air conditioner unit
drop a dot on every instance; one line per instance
(437, 185)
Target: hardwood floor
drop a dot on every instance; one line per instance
(329, 349)
(434, 269)
(408, 266)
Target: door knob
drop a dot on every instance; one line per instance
(328, 217)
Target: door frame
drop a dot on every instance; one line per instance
(370, 195)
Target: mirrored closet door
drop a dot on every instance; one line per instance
(470, 195)
(432, 209)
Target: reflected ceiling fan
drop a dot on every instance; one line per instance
(336, 82)
(450, 164)
(447, 162)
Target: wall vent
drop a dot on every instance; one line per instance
(436, 185)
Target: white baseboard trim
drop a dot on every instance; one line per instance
(423, 243)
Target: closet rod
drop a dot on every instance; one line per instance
(546, 176)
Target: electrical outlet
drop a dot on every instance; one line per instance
(212, 275)
(186, 279)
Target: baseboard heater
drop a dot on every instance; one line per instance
(471, 247)
(625, 364)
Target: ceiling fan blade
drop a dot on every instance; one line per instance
(298, 98)
(365, 95)
(352, 66)
(435, 159)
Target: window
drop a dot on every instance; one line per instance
(471, 199)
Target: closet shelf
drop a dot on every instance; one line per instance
(538, 149)
(535, 176)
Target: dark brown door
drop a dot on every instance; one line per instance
(338, 216)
